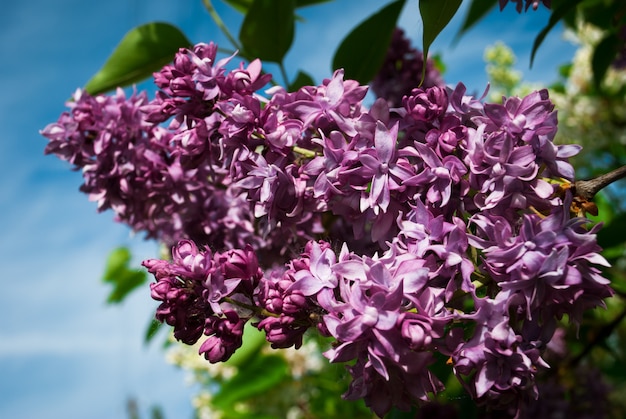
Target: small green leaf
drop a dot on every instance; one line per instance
(436, 14)
(152, 330)
(603, 56)
(267, 30)
(123, 279)
(363, 51)
(263, 374)
(142, 51)
(116, 263)
(477, 10)
(302, 79)
(253, 340)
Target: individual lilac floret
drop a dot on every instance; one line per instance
(386, 171)
(402, 71)
(335, 103)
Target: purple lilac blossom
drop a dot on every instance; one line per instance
(402, 71)
(389, 230)
(197, 289)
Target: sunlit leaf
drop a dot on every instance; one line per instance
(122, 278)
(253, 340)
(254, 379)
(142, 51)
(363, 51)
(267, 30)
(436, 14)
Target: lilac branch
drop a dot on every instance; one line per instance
(587, 189)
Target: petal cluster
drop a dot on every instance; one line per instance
(431, 229)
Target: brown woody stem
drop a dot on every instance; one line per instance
(587, 189)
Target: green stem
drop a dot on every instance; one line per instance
(220, 23)
(254, 309)
(304, 152)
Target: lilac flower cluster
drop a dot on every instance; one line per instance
(202, 292)
(435, 227)
(402, 71)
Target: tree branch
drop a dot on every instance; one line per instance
(587, 189)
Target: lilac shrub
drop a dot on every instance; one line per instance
(438, 228)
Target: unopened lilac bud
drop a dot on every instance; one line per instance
(226, 337)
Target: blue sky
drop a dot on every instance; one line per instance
(63, 351)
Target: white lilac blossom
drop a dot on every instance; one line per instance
(433, 229)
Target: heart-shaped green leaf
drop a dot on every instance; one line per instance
(363, 51)
(267, 30)
(142, 51)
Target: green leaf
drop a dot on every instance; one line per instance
(363, 50)
(241, 6)
(152, 330)
(123, 279)
(477, 10)
(306, 3)
(264, 373)
(559, 12)
(267, 30)
(142, 51)
(614, 233)
(603, 56)
(302, 79)
(253, 340)
(436, 14)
